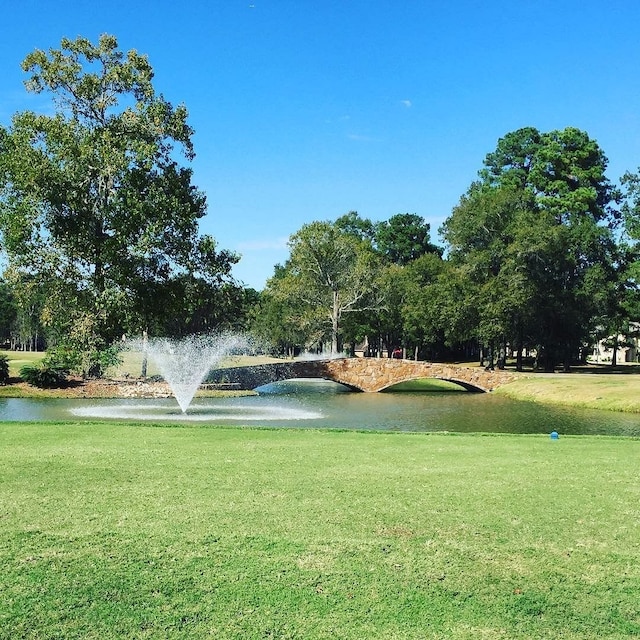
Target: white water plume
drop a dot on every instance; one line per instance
(185, 363)
(308, 356)
(200, 412)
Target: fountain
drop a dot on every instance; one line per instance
(185, 363)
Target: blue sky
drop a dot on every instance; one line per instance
(307, 110)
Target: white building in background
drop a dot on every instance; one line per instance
(630, 352)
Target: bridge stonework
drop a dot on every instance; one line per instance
(364, 374)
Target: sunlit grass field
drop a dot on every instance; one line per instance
(131, 364)
(610, 391)
(130, 531)
(18, 359)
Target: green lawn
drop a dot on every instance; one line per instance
(614, 391)
(18, 359)
(426, 384)
(132, 531)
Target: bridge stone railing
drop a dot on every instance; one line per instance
(364, 374)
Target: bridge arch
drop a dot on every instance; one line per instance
(460, 383)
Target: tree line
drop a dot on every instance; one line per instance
(540, 256)
(99, 231)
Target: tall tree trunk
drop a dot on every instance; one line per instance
(145, 354)
(502, 356)
(548, 360)
(519, 357)
(335, 319)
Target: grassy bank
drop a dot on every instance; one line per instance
(613, 391)
(125, 531)
(18, 359)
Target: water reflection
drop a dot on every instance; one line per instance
(320, 404)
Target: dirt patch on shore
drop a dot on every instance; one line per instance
(78, 388)
(110, 388)
(124, 389)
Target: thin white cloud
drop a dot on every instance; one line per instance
(406, 103)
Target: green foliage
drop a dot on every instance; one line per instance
(93, 203)
(28, 294)
(67, 358)
(532, 262)
(90, 363)
(96, 362)
(194, 305)
(438, 308)
(404, 238)
(534, 237)
(4, 369)
(44, 375)
(356, 226)
(8, 310)
(64, 358)
(330, 272)
(279, 324)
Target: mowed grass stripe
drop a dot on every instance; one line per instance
(131, 531)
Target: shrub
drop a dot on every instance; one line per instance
(90, 364)
(99, 360)
(43, 375)
(64, 358)
(4, 369)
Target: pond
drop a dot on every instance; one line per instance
(321, 404)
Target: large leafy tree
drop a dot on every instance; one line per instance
(404, 238)
(281, 322)
(535, 235)
(354, 224)
(398, 242)
(422, 303)
(330, 272)
(28, 296)
(623, 318)
(492, 243)
(94, 195)
(439, 309)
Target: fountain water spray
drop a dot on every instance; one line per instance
(185, 363)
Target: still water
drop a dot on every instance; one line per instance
(319, 404)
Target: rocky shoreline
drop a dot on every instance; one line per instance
(112, 388)
(127, 388)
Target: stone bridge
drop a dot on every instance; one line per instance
(363, 374)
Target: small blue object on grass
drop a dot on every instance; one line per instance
(554, 435)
